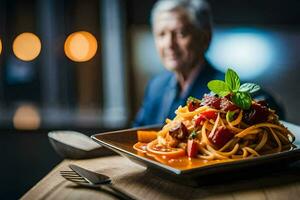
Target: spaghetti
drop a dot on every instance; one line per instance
(209, 133)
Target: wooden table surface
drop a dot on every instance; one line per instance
(137, 181)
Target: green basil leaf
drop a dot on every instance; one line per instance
(249, 87)
(232, 80)
(242, 100)
(218, 87)
(230, 115)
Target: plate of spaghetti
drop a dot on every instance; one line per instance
(225, 130)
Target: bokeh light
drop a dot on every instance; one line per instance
(27, 117)
(27, 46)
(0, 46)
(249, 51)
(80, 46)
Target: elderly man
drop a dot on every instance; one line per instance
(182, 31)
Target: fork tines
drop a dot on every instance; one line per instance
(72, 176)
(69, 173)
(79, 180)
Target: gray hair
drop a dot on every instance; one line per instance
(198, 10)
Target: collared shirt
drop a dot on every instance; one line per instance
(192, 76)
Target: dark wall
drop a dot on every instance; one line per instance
(247, 12)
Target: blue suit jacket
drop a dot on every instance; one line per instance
(162, 96)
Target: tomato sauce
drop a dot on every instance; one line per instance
(181, 163)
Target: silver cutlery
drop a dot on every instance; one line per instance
(84, 177)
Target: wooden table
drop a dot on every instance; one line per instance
(142, 184)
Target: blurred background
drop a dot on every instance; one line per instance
(83, 65)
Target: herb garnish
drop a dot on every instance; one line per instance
(193, 99)
(193, 135)
(239, 94)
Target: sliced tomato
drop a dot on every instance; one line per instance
(154, 148)
(192, 148)
(209, 114)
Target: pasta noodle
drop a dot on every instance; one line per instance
(208, 133)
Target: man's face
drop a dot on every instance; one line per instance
(179, 43)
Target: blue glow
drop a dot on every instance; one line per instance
(248, 51)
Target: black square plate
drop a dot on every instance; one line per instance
(123, 140)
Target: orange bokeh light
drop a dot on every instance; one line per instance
(0, 46)
(27, 117)
(80, 46)
(27, 46)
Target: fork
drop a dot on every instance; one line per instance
(91, 179)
